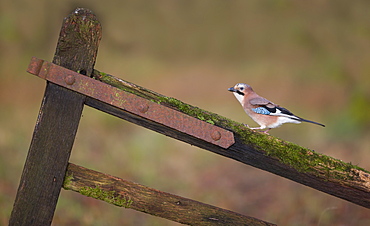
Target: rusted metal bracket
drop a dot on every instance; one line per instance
(131, 103)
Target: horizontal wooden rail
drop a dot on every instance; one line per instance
(148, 200)
(266, 152)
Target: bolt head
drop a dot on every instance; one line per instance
(143, 108)
(216, 135)
(70, 79)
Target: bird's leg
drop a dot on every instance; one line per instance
(266, 131)
(256, 128)
(262, 127)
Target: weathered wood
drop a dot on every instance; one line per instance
(283, 158)
(148, 200)
(57, 123)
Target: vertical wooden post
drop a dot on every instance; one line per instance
(57, 124)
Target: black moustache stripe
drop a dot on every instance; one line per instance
(241, 93)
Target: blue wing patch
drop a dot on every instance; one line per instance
(261, 110)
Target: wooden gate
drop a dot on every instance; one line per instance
(72, 82)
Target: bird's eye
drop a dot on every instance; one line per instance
(241, 88)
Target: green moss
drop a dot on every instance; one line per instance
(103, 74)
(107, 196)
(125, 86)
(188, 109)
(67, 180)
(155, 97)
(210, 121)
(85, 26)
(304, 160)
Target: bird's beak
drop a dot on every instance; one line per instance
(232, 89)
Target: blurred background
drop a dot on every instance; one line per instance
(310, 57)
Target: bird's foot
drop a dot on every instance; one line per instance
(266, 131)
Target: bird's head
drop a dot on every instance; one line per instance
(241, 90)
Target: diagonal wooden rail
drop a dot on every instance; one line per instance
(265, 152)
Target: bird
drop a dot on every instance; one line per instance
(264, 112)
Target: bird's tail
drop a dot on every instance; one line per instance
(305, 120)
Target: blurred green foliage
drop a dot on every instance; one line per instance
(309, 56)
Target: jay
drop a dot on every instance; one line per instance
(262, 111)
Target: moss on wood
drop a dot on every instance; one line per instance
(107, 196)
(67, 180)
(148, 200)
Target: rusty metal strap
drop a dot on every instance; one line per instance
(131, 103)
